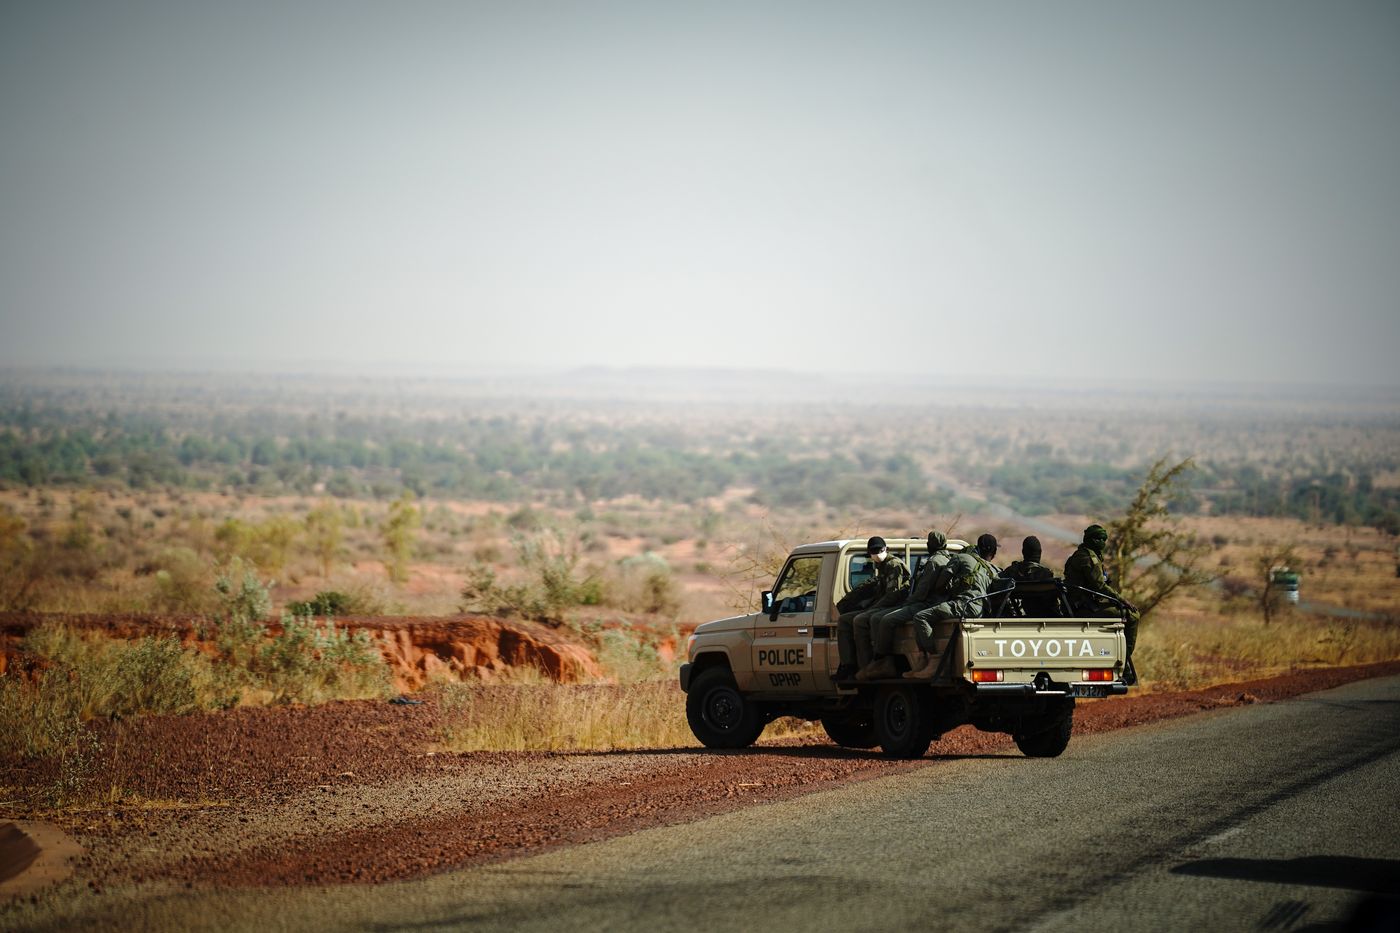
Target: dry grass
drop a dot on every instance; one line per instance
(542, 716)
(563, 717)
(1184, 653)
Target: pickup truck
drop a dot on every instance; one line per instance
(1003, 672)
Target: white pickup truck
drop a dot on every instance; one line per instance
(1004, 672)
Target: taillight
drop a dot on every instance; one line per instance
(986, 677)
(1099, 673)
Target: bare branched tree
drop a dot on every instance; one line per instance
(754, 566)
(1150, 556)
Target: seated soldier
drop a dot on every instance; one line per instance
(966, 579)
(881, 622)
(1029, 569)
(887, 588)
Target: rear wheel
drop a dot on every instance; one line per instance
(1046, 736)
(853, 730)
(904, 724)
(719, 715)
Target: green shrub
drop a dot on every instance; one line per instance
(645, 584)
(324, 603)
(628, 658)
(242, 594)
(157, 675)
(310, 663)
(106, 677)
(553, 580)
(182, 583)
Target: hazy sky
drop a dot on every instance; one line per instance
(1160, 189)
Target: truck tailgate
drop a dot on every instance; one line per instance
(1080, 657)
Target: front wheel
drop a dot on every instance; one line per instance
(904, 722)
(1045, 736)
(719, 715)
(854, 730)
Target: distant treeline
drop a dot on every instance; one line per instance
(511, 458)
(1039, 486)
(496, 458)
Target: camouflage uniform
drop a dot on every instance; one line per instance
(968, 576)
(1085, 569)
(922, 595)
(888, 588)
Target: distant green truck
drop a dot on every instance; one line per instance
(1001, 673)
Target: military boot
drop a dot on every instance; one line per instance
(880, 669)
(925, 670)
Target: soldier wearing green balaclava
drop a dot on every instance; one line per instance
(1084, 570)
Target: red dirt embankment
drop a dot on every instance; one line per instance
(416, 649)
(419, 648)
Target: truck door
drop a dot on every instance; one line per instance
(782, 645)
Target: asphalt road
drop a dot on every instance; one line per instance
(1266, 817)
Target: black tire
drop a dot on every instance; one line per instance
(719, 715)
(1046, 736)
(903, 722)
(853, 730)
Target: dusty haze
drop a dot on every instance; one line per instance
(1198, 191)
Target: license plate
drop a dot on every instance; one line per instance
(1090, 690)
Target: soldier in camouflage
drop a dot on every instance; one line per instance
(879, 624)
(1091, 594)
(887, 588)
(967, 577)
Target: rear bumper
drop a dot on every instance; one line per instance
(1117, 688)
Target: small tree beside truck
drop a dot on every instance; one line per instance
(1003, 672)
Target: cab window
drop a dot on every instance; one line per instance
(797, 587)
(859, 569)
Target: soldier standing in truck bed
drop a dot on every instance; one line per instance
(887, 588)
(1084, 572)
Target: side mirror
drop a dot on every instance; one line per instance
(767, 600)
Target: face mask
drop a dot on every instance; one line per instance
(880, 557)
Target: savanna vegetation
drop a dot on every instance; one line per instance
(624, 521)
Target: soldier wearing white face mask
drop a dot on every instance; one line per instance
(887, 588)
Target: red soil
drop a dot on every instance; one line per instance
(356, 792)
